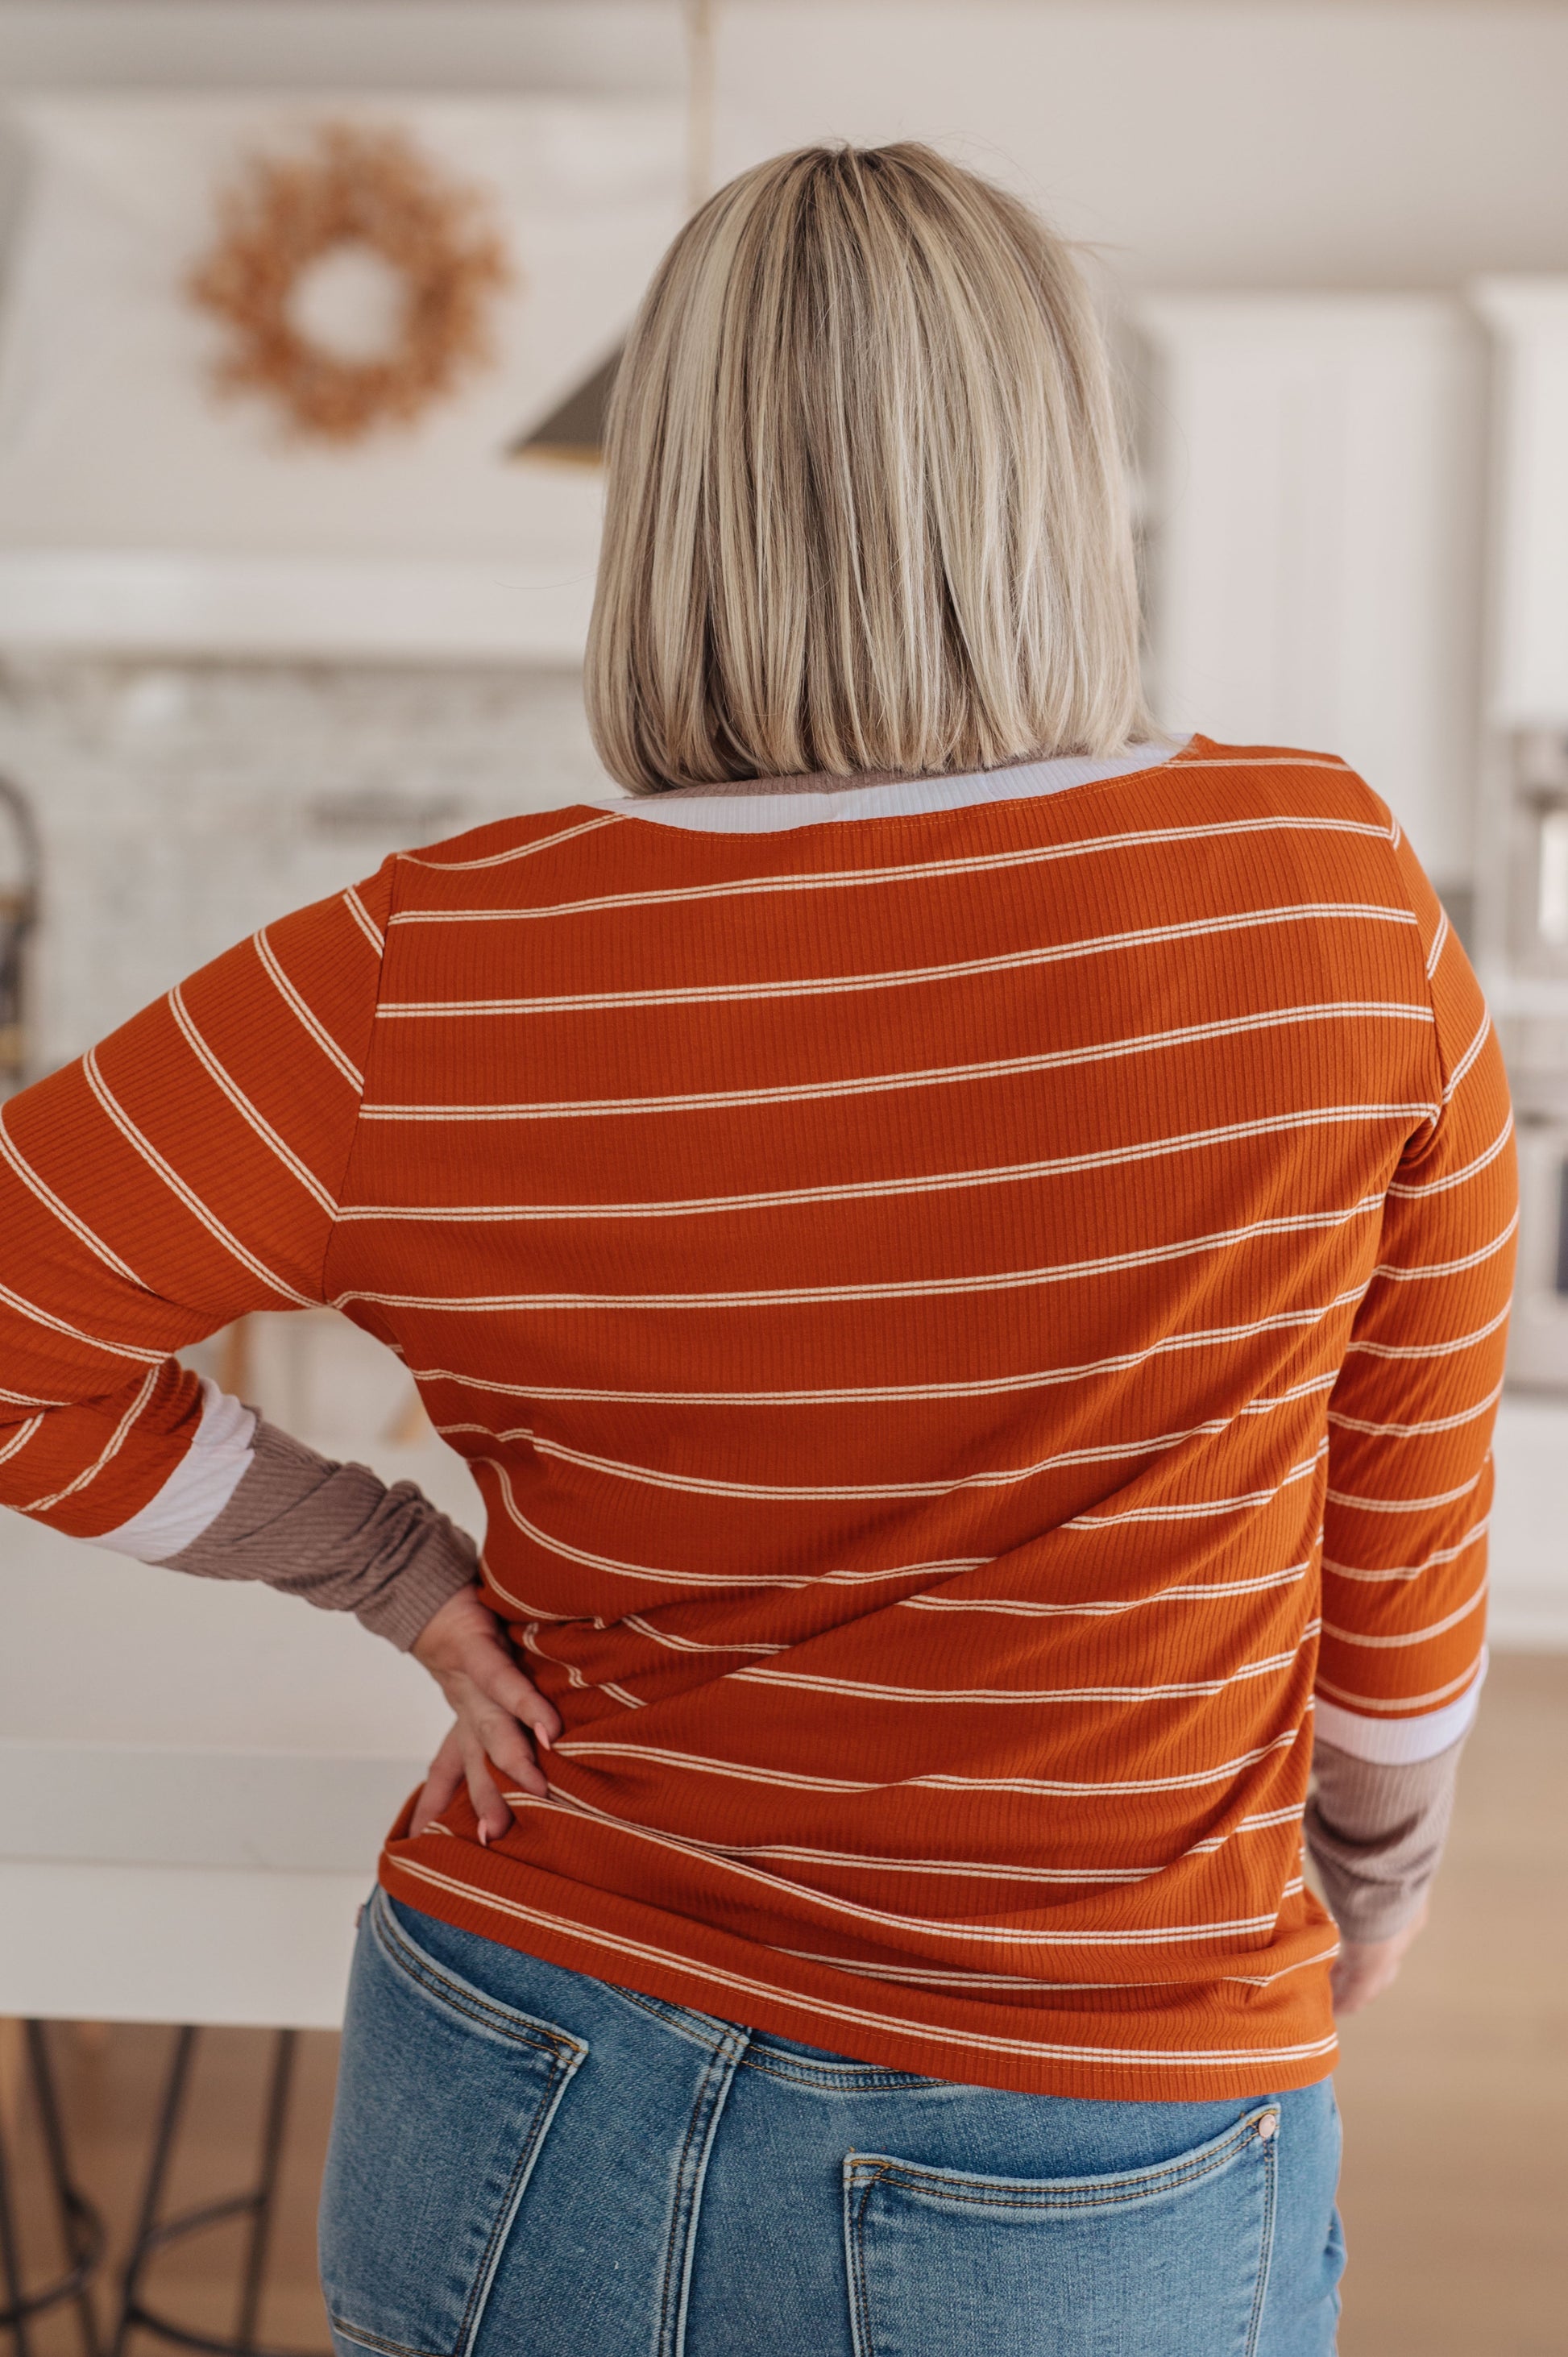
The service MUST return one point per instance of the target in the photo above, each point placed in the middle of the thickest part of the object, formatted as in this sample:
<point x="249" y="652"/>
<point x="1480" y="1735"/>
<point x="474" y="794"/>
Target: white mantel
<point x="180" y="606"/>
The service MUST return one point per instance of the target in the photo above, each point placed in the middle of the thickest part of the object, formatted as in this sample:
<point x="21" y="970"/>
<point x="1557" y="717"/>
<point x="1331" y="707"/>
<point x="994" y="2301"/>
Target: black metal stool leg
<point x="152" y="2191"/>
<point x="80" y="2227"/>
<point x="16" y="2312"/>
<point x="153" y="2234"/>
<point x="266" y="2186"/>
<point x="80" y="2222"/>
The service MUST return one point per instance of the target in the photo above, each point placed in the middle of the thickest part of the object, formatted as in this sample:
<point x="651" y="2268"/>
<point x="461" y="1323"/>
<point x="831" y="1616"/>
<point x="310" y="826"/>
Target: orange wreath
<point x="362" y="187"/>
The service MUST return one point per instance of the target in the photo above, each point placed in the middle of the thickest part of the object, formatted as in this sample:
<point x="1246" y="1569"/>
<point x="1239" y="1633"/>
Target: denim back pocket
<point x="1168" y="2261"/>
<point x="444" y="2098"/>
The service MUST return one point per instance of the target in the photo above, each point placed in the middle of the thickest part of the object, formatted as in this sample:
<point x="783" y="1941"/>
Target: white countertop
<point x="195" y="1777"/>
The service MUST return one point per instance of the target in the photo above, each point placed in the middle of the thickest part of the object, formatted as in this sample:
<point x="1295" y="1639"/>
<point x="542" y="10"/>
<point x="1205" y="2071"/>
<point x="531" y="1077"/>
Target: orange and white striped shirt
<point x="973" y="1305"/>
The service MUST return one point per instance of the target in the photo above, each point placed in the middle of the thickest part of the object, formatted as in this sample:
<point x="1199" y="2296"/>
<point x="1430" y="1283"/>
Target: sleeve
<point x="1376" y="1831"/>
<point x="1410" y="1469"/>
<point x="182" y="1173"/>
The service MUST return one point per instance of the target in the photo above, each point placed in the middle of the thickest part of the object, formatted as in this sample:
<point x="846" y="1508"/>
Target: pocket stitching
<point x="543" y="2111"/>
<point x="861" y="2320"/>
<point x="1166" y="2176"/>
<point x="562" y="2054"/>
<point x="518" y="2028"/>
<point x="1266" y="2257"/>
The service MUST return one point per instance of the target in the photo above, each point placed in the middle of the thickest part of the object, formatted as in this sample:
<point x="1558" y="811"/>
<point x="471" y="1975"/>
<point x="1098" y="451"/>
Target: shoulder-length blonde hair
<point x="866" y="502"/>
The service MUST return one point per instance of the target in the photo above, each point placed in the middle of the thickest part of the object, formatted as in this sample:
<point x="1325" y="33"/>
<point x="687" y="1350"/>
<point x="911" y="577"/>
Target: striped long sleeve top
<point x="975" y="1308"/>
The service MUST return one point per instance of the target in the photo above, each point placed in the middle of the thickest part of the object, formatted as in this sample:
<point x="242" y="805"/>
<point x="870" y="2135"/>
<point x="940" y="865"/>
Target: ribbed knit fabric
<point x="938" y="1309"/>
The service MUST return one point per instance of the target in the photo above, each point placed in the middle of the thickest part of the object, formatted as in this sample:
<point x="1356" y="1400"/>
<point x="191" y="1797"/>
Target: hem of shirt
<point x="1288" y="2042"/>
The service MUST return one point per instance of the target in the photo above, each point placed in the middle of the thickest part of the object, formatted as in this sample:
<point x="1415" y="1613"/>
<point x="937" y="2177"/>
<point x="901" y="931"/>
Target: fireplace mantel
<point x="295" y="608"/>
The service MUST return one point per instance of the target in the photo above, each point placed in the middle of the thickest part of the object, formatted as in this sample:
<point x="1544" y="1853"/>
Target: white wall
<point x="1201" y="143"/>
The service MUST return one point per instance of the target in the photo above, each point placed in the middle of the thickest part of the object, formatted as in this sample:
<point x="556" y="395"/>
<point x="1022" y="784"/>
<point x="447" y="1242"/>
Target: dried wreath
<point x="356" y="187"/>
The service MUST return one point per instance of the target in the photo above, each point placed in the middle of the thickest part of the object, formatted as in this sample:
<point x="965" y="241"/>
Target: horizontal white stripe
<point x="800" y="1681"/>
<point x="38" y="1315"/>
<point x="1489" y="1155"/>
<point x="1395" y="1274"/>
<point x="1393" y="1743"/>
<point x="688" y="1644"/>
<point x="1005" y="1280"/>
<point x="220" y="1455"/>
<point x="829" y="985"/>
<point x="1431" y="1349"/>
<point x="713" y="1485"/>
<point x="1472" y="1537"/>
<point x="801" y="1895"/>
<point x="665" y="1576"/>
<point x="917" y="871"/>
<point x="1027" y="1609"/>
<point x="937" y="1182"/>
<point x="576" y="1747"/>
<point x="1415" y="1431"/>
<point x="1389" y="1705"/>
<point x="937" y="1076"/>
<point x="857" y="1861"/>
<point x="1411" y="1636"/>
<point x="1203" y="1507"/>
<point x="817" y="2008"/>
<point x="1405" y="1505"/>
<point x="933" y="1977"/>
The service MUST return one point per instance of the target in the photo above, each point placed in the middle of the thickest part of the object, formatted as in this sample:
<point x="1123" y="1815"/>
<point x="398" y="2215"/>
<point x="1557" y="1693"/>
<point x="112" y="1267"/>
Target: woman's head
<point x="865" y="504"/>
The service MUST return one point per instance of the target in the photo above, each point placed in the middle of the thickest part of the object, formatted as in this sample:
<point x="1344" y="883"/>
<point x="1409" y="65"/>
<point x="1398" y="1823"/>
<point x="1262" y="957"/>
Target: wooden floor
<point x="1455" y="2092"/>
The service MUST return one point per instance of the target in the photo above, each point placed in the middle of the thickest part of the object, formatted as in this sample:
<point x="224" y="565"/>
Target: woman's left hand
<point x="465" y="1650"/>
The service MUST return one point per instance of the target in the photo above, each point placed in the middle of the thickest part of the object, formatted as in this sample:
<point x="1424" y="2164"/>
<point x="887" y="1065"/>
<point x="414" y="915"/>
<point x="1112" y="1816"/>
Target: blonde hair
<point x="866" y="501"/>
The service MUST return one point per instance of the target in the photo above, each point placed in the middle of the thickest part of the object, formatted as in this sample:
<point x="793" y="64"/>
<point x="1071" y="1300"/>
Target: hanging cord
<point x="701" y="15"/>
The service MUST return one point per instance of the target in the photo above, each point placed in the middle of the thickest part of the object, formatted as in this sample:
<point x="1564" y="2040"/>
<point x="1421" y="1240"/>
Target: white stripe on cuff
<point x="1397" y="1742"/>
<point x="197" y="1490"/>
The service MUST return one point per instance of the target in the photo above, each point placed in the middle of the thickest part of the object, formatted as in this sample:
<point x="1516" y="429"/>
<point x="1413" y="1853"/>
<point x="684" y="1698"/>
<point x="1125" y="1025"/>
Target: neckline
<point x="769" y="806"/>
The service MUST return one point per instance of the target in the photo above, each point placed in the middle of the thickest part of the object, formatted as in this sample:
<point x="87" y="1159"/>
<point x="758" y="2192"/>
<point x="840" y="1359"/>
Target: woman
<point x="952" y="1236"/>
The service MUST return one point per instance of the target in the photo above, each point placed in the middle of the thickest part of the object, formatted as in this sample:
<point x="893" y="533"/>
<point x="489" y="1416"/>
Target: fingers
<point x="464" y="1647"/>
<point x="495" y="1704"/>
<point x="492" y="1810"/>
<point x="442" y="1784"/>
<point x="504" y="1743"/>
<point x="498" y="1676"/>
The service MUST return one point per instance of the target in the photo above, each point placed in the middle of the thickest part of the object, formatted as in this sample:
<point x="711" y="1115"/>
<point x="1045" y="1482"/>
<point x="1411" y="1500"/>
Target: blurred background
<point x="307" y="311"/>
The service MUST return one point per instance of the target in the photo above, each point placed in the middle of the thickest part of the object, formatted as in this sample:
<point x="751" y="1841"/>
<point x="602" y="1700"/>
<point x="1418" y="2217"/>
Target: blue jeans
<point x="528" y="2163"/>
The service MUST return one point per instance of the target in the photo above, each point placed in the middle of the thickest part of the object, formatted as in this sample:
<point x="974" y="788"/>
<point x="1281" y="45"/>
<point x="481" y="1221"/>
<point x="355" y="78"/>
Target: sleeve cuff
<point x="1376" y="1831"/>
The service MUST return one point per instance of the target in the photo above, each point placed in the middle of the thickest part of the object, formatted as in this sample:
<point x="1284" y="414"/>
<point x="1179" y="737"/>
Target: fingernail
<point x="484" y="1837"/>
<point x="544" y="1739"/>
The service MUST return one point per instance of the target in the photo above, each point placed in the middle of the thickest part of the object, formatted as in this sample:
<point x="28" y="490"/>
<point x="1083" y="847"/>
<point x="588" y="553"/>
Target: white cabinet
<point x="1313" y="494"/>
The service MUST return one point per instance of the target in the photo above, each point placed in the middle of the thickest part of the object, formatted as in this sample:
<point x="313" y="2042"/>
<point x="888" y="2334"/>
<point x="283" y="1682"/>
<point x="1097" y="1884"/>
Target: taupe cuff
<point x="337" y="1535"/>
<point x="1376" y="1834"/>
